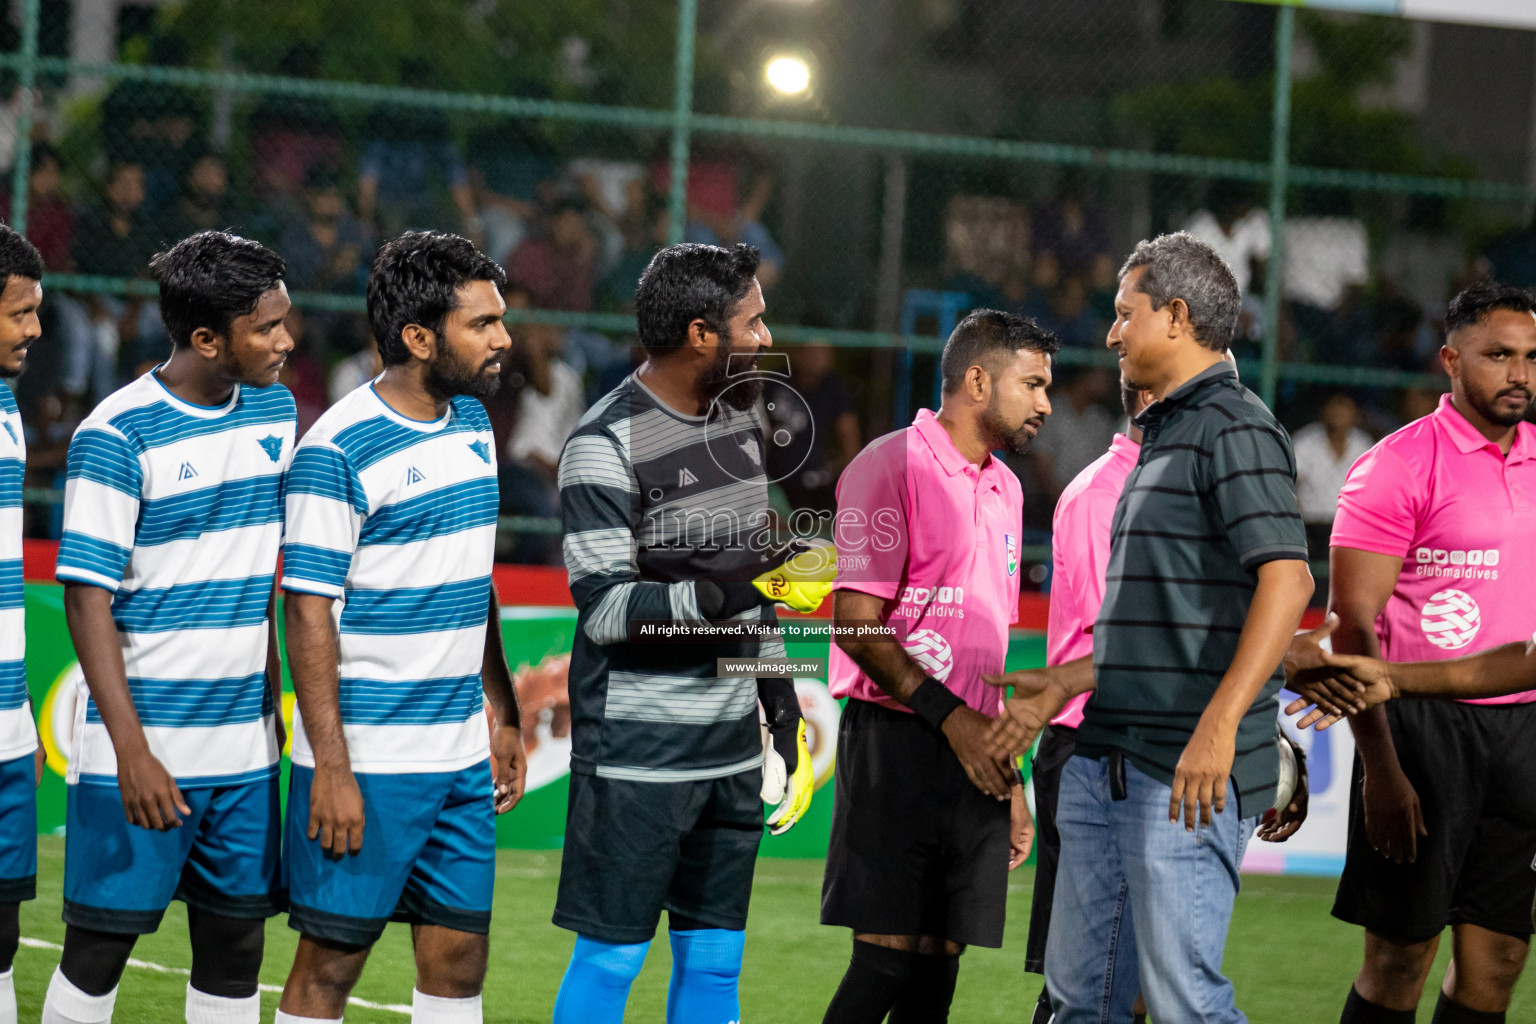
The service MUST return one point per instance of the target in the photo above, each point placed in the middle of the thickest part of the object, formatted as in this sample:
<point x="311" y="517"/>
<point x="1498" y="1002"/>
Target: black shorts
<point x="1474" y="768"/>
<point x="916" y="848"/>
<point x="633" y="849"/>
<point x="1056" y="747"/>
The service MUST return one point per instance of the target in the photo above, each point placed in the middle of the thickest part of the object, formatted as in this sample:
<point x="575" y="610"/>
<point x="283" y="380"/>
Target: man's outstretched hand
<point x="1037" y="698"/>
<point x="1349" y="684"/>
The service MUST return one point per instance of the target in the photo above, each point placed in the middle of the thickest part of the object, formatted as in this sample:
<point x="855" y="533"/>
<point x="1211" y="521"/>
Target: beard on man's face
<point x="733" y="389"/>
<point x="1005" y="437"/>
<point x="449" y="375"/>
<point x="1505" y="417"/>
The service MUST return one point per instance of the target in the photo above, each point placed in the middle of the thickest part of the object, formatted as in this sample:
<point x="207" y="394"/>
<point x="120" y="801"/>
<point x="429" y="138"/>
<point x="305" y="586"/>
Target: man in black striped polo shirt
<point x="665" y="509"/>
<point x="1206" y="582"/>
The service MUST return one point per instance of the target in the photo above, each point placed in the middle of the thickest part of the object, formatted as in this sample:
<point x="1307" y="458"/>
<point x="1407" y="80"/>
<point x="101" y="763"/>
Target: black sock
<point x="1043" y="1009"/>
<point x="1359" y="1010"/>
<point x="876" y="976"/>
<point x="1449" y="1012"/>
<point x="929" y="991"/>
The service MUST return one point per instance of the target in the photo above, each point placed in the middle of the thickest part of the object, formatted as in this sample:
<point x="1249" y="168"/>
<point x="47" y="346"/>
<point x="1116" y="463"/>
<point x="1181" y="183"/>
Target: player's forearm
<point x="889" y="666"/>
<point x="1509" y="668"/>
<point x="1278" y="602"/>
<point x="88" y="612"/>
<point x="1072" y="677"/>
<point x="495" y="676"/>
<point x="1356" y="634"/>
<point x="274" y="655"/>
<point x="313" y="660"/>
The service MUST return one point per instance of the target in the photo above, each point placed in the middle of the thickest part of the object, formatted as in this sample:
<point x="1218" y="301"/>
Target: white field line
<point x="365" y="1004"/>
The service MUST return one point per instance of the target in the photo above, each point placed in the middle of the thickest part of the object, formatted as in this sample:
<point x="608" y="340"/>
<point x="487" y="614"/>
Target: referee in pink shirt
<point x="1433" y="557"/>
<point x="927" y="823"/>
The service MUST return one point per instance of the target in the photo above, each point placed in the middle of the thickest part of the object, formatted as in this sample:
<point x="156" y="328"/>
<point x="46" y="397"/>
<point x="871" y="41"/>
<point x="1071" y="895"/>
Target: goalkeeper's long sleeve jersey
<point x="653" y="501"/>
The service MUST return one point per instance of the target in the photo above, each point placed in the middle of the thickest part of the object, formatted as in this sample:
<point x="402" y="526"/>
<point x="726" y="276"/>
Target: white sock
<point x="68" y="1005"/>
<point x="203" y="1008"/>
<point x="288" y="1018"/>
<point x="427" y="1009"/>
<point x="8" y="997"/>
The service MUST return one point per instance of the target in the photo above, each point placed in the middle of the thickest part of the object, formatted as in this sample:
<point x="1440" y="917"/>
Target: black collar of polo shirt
<point x="1213" y="374"/>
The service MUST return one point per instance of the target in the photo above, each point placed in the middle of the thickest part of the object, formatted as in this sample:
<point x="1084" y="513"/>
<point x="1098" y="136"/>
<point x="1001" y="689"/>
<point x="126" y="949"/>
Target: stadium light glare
<point x="787" y="75"/>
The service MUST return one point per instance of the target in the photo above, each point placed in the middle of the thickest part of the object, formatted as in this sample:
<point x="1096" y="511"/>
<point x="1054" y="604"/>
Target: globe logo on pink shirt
<point x="931" y="653"/>
<point x="1450" y="619"/>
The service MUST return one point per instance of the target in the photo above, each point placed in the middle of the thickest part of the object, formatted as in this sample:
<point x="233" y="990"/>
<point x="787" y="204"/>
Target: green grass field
<point x="1291" y="962"/>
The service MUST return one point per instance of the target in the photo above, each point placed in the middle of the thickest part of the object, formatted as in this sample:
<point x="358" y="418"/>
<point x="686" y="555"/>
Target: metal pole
<point x="892" y="225"/>
<point x="26" y="76"/>
<point x="682" y="113"/>
<point x="1279" y="166"/>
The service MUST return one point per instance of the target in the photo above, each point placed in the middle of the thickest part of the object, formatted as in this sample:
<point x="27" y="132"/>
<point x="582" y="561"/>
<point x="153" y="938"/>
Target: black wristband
<point x="722" y="600"/>
<point x="933" y="702"/>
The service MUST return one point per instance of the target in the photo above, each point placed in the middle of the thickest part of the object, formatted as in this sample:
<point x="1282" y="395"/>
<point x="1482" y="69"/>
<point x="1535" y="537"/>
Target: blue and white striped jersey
<point x="177" y="509"/>
<point x="396" y="518"/>
<point x="18" y="736"/>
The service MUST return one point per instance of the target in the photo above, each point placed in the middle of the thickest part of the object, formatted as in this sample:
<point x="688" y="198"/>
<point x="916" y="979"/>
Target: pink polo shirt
<point x="938" y="539"/>
<point x="1080" y="532"/>
<point x="1462" y="517"/>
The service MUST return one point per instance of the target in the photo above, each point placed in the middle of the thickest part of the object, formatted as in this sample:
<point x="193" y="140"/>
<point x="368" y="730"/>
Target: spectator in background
<point x="356" y="370"/>
<point x="615" y="191"/>
<point x="557" y="266"/>
<point x="717" y="213"/>
<point x="616" y="291"/>
<point x="813" y="431"/>
<point x="1067" y="313"/>
<point x="1235" y="227"/>
<point x="1074" y="234"/>
<point x="204" y="203"/>
<point x="113" y="238"/>
<point x="329" y="250"/>
<point x="156" y="126"/>
<point x="511" y="173"/>
<point x="1078" y="430"/>
<point x="290" y="137"/>
<point x="303" y="374"/>
<point x="411" y="175"/>
<point x="1325" y="450"/>
<point x="1511" y="258"/>
<point x="550" y="403"/>
<point x="50" y="221"/>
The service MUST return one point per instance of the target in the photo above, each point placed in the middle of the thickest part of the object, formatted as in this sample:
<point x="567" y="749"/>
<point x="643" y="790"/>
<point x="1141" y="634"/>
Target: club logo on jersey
<point x="272" y="445"/>
<point x="186" y="472"/>
<point x="1470" y="564"/>
<point x="483" y="450"/>
<point x="931" y="652"/>
<point x="1450" y="619"/>
<point x="413" y="476"/>
<point x="754" y="453"/>
<point x="1012" y="544"/>
<point x="685" y="477"/>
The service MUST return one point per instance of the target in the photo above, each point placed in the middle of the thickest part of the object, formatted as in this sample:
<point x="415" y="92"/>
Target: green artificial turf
<point x="1290" y="961"/>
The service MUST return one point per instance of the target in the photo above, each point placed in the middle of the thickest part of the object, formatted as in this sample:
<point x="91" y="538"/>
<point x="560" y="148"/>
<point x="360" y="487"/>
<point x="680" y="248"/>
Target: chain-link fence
<point x="897" y="161"/>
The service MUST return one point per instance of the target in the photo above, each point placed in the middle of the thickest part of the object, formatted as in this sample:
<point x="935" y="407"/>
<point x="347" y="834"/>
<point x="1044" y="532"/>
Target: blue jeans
<point x="1141" y="905"/>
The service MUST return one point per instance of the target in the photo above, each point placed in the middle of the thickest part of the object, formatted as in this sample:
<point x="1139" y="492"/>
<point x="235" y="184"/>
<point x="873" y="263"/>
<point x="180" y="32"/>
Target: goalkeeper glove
<point x="788" y="777"/>
<point x="804" y="578"/>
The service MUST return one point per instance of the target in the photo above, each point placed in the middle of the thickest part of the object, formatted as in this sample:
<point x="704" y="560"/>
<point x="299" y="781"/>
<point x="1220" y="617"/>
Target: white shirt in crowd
<point x="545" y="421"/>
<point x="1320" y="472"/>
<point x="1248" y="241"/>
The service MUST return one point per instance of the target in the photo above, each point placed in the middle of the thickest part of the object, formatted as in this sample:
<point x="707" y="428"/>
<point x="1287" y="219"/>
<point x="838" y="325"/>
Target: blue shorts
<point x="18" y="830"/>
<point x="428" y="857"/>
<point x="223" y="859"/>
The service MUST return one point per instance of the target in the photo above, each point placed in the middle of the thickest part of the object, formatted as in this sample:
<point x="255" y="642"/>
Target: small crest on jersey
<point x="1012" y="544"/>
<point x="186" y="472"/>
<point x="413" y="476"/>
<point x="685" y="477"/>
<point x="10" y="430"/>
<point x="753" y="452"/>
<point x="272" y="445"/>
<point x="481" y="449"/>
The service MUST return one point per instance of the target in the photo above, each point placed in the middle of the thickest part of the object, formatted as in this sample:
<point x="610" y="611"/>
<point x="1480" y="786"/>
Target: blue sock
<point x="705" y="967"/>
<point x="596" y="984"/>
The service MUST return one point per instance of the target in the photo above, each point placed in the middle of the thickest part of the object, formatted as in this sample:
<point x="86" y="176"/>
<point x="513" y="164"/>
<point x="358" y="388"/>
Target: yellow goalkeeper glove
<point x="789" y="778"/>
<point x="803" y="580"/>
